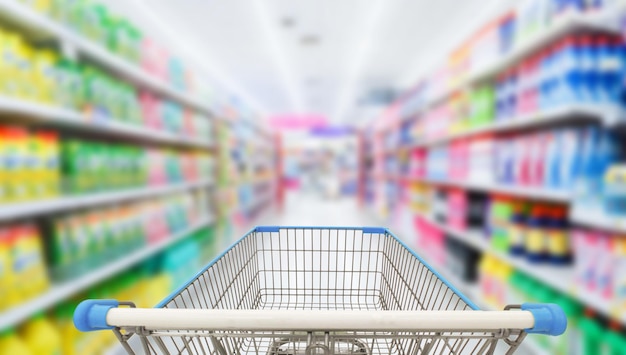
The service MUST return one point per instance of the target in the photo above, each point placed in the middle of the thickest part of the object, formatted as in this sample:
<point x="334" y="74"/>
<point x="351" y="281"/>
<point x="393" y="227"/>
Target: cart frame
<point x="311" y="290"/>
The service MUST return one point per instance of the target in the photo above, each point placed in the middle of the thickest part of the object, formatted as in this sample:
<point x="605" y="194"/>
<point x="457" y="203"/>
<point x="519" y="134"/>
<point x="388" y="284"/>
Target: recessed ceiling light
<point x="309" y="40"/>
<point x="312" y="81"/>
<point x="288" y="22"/>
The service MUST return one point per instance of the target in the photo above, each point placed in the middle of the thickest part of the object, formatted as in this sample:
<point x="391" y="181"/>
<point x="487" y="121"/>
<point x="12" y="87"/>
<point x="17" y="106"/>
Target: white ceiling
<point x="363" y="45"/>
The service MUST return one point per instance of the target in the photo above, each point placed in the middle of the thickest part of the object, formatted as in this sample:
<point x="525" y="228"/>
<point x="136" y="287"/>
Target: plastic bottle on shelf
<point x="70" y="336"/>
<point x="501" y="210"/>
<point x="558" y="239"/>
<point x="8" y="294"/>
<point x="619" y="272"/>
<point x="569" y="343"/>
<point x="518" y="228"/>
<point x="535" y="239"/>
<point x="592" y="332"/>
<point x="41" y="336"/>
<point x="11" y="344"/>
<point x="614" y="339"/>
<point x="28" y="261"/>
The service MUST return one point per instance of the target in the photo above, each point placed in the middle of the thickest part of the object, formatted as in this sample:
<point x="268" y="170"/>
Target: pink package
<point x="459" y="160"/>
<point x="156" y="167"/>
<point x="523" y="160"/>
<point x="155" y="224"/>
<point x="418" y="163"/>
<point x="457" y="209"/>
<point x="606" y="265"/>
<point x="149" y="109"/>
<point x="586" y="253"/>
<point x="538" y="150"/>
<point x="154" y="58"/>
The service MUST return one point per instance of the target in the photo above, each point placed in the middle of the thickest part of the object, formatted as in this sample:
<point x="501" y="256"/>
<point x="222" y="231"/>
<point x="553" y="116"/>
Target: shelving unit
<point x="530" y="193"/>
<point x="569" y="114"/>
<point x="410" y="154"/>
<point x="560" y="278"/>
<point x="470" y="290"/>
<point x="62" y="291"/>
<point x="45" y="27"/>
<point x="605" y="21"/>
<point x="596" y="219"/>
<point x="28" y="209"/>
<point x="72" y="120"/>
<point x="78" y="48"/>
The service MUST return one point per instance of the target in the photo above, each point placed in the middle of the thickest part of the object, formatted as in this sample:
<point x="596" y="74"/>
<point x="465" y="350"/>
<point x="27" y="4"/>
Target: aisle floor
<point x="308" y="209"/>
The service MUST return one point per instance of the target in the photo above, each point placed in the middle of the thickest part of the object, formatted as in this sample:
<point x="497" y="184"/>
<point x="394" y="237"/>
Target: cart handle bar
<point x="104" y="314"/>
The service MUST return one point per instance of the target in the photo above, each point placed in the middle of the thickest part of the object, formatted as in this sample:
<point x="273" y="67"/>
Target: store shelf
<point x="473" y="293"/>
<point x="529" y="193"/>
<point x="259" y="200"/>
<point x="62" y="291"/>
<point x="46" y="27"/>
<point x="607" y="115"/>
<point x="559" y="278"/>
<point x="27" y="209"/>
<point x="597" y="219"/>
<point x="64" y="118"/>
<point x="264" y="180"/>
<point x="605" y="21"/>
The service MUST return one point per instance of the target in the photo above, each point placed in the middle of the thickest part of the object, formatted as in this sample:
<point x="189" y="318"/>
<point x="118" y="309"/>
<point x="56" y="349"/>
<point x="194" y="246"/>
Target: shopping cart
<point x="317" y="290"/>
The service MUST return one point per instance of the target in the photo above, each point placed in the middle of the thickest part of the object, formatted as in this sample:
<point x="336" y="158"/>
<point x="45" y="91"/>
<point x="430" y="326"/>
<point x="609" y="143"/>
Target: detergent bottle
<point x="11" y="344"/>
<point x="8" y="295"/>
<point x="41" y="337"/>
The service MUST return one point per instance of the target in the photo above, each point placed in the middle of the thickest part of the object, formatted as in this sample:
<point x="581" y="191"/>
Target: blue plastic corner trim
<point x="549" y="318"/>
<point x="374" y="230"/>
<point x="267" y="229"/>
<point x="91" y="315"/>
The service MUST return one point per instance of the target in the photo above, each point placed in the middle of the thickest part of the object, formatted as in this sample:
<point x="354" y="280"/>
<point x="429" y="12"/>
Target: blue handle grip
<point x="91" y="315"/>
<point x="549" y="318"/>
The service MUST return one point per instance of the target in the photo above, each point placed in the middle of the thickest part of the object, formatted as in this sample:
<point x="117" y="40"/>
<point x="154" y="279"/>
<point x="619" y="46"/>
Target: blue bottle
<point x="588" y="56"/>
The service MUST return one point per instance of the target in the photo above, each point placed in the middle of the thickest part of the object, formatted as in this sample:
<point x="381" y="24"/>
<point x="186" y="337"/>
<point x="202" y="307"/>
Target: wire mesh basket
<point x="318" y="290"/>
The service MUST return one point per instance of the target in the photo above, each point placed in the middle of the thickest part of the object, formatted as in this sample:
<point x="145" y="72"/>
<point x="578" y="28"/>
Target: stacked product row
<point x="500" y="285"/>
<point x="64" y="247"/>
<point x="42" y="75"/>
<point x="146" y="285"/>
<point x="553" y="159"/>
<point x="586" y="331"/>
<point x="576" y="70"/>
<point x="502" y="36"/>
<point x="537" y="233"/>
<point x="95" y="21"/>
<point x="40" y="164"/>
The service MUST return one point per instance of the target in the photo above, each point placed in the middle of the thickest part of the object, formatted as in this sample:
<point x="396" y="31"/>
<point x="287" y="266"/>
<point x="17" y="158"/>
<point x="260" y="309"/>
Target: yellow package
<point x="8" y="294"/>
<point x="44" y="75"/>
<point x="11" y="344"/>
<point x="15" y="153"/>
<point x="25" y="55"/>
<point x="41" y="336"/>
<point x="28" y="261"/>
<point x="51" y="173"/>
<point x="34" y="169"/>
<point x="10" y="55"/>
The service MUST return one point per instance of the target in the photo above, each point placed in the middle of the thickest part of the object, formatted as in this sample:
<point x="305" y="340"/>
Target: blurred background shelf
<point x="534" y="193"/>
<point x="108" y="127"/>
<point x="561" y="278"/>
<point x="45" y="27"/>
<point x="20" y="210"/>
<point x="64" y="290"/>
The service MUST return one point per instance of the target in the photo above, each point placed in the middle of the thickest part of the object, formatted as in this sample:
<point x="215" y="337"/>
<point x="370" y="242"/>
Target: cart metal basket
<point x="318" y="290"/>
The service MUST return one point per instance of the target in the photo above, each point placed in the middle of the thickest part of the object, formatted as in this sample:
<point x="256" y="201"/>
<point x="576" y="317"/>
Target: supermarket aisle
<point x="304" y="209"/>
